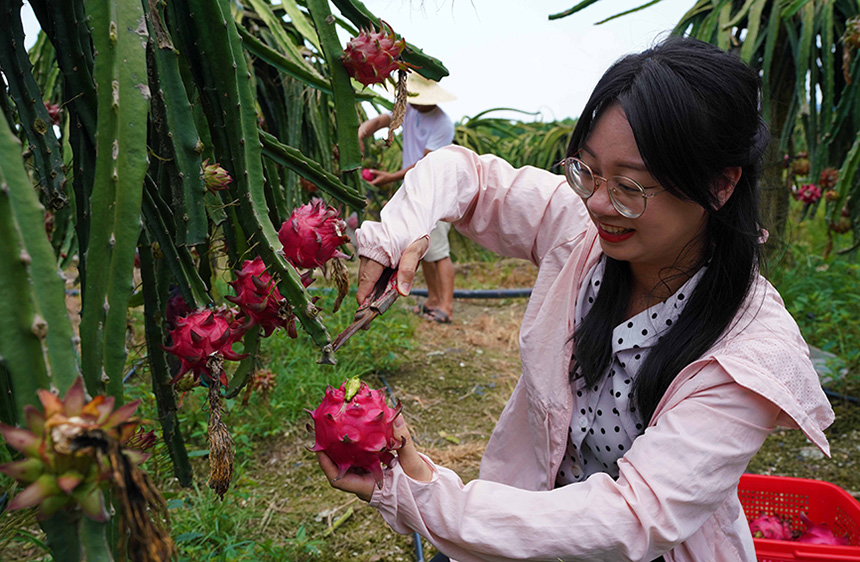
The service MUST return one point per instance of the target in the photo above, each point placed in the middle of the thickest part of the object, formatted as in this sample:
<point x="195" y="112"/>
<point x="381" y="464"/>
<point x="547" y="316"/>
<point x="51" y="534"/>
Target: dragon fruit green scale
<point x="354" y="426"/>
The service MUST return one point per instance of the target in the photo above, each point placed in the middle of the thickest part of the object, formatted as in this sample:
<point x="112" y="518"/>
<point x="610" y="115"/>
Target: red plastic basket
<point x="822" y="502"/>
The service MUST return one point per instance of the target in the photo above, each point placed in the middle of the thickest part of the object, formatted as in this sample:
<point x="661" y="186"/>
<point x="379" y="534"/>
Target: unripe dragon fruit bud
<point x="201" y="340"/>
<point x="800" y="167"/>
<point x="819" y="534"/>
<point x="366" y="174"/>
<point x="355" y="427"/>
<point x="312" y="234"/>
<point x="371" y="57"/>
<point x="770" y="527"/>
<point x="215" y="177"/>
<point x="259" y="299"/>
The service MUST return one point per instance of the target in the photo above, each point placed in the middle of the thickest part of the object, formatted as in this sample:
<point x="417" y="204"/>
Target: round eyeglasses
<point x="626" y="194"/>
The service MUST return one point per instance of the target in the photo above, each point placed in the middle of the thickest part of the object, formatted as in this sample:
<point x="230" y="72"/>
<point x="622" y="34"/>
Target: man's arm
<point x="381" y="177"/>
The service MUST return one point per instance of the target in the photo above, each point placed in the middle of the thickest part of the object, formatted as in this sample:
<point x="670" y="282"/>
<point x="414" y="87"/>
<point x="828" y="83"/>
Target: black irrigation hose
<point x="480" y="293"/>
<point x="832" y="394"/>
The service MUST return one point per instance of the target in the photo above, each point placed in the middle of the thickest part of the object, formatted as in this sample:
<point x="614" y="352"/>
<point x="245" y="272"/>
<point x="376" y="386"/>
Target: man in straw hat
<point x="425" y="128"/>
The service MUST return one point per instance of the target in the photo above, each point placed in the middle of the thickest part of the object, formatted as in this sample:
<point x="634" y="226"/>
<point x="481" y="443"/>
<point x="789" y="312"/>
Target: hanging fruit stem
<point x="220" y="441"/>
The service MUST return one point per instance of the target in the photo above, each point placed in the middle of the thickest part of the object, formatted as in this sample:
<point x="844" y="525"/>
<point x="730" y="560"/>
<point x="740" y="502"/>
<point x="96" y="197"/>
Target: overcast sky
<point x="506" y="53"/>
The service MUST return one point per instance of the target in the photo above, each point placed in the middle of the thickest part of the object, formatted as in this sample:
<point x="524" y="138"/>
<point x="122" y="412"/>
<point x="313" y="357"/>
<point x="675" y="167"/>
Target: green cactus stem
<point x="153" y="308"/>
<point x="34" y="118"/>
<point x="294" y="160"/>
<point x="119" y="36"/>
<point x="344" y="95"/>
<point x="38" y="347"/>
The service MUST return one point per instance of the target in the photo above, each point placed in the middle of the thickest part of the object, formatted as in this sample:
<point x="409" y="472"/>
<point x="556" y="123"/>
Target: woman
<point x="656" y="359"/>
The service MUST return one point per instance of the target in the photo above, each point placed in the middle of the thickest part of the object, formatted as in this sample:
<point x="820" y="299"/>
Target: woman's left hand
<point x="362" y="484"/>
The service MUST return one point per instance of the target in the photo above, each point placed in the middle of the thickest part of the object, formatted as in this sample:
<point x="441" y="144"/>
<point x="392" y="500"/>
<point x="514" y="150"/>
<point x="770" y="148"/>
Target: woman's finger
<point x="359" y="484"/>
<point x="412" y="463"/>
<point x="409" y="264"/>
<point x="368" y="273"/>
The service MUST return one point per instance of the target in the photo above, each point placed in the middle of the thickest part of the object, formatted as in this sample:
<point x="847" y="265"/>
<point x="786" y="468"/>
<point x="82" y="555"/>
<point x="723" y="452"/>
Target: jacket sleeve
<point x="671" y="481"/>
<point x="521" y="213"/>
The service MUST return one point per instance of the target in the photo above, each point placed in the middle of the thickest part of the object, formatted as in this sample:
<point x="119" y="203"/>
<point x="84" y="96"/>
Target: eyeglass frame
<point x="564" y="163"/>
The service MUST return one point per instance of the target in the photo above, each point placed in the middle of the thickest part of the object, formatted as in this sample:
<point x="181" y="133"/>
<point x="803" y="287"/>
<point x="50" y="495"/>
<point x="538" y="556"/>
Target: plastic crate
<point x="822" y="502"/>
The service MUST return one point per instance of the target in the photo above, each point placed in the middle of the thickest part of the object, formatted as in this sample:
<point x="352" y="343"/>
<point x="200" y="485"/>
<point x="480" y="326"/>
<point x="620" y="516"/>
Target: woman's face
<point x="658" y="237"/>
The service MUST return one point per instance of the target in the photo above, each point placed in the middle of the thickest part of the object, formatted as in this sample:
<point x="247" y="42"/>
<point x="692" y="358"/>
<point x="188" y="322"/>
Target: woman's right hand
<point x="370" y="270"/>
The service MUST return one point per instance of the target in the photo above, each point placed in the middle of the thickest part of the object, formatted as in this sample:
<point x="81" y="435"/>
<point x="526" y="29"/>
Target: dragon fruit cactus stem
<point x="312" y="234"/>
<point x="355" y="427"/>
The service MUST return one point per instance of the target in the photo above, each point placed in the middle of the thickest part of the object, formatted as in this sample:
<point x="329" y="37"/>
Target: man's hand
<point x="381" y="177"/>
<point x="369" y="270"/>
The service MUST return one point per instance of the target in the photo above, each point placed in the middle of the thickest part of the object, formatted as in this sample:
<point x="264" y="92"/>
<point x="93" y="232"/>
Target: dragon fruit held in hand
<point x="770" y="527"/>
<point x="260" y="300"/>
<point x="819" y="534"/>
<point x="312" y="234"/>
<point x="355" y="428"/>
<point x="371" y="57"/>
<point x="201" y="340"/>
<point x="366" y="174"/>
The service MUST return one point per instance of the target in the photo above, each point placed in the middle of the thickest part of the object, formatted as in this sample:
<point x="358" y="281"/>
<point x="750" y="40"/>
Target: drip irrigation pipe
<point x="481" y="293"/>
<point x="419" y="548"/>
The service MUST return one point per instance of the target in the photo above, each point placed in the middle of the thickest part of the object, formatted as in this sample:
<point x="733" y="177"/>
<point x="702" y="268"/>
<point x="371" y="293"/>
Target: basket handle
<point x="822" y="557"/>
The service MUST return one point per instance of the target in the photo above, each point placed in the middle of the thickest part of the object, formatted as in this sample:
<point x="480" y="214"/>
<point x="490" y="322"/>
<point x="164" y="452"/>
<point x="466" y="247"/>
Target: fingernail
<point x="403" y="289"/>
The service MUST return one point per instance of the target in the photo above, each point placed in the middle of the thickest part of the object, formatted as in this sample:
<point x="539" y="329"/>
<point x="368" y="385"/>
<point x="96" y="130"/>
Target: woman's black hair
<point x="694" y="111"/>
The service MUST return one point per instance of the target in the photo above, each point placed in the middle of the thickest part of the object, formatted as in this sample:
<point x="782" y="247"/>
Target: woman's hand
<point x="362" y="484"/>
<point x="369" y="270"/>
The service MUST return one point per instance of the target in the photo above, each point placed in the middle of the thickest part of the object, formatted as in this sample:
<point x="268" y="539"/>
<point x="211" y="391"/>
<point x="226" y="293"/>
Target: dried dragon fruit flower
<point x="215" y="177"/>
<point x="312" y="235"/>
<point x="371" y="57"/>
<point x="202" y="340"/>
<point x="355" y="427"/>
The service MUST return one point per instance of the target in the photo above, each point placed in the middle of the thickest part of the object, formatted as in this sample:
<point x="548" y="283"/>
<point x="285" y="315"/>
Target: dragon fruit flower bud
<point x="215" y="177"/>
<point x="312" y="235"/>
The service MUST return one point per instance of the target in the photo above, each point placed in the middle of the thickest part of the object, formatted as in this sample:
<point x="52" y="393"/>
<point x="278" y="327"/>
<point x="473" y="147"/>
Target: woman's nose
<point x="599" y="202"/>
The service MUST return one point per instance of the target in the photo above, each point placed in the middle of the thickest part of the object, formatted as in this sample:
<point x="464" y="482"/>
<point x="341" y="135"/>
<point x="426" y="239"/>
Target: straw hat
<point x="423" y="91"/>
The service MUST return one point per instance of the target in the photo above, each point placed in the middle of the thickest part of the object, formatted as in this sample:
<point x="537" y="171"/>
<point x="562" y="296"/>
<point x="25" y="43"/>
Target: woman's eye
<point x="627" y="185"/>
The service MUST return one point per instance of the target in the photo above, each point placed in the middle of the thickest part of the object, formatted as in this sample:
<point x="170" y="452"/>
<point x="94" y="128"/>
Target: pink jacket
<point x="677" y="490"/>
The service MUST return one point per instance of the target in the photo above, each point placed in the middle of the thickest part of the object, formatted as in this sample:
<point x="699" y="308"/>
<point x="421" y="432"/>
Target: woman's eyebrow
<point x="628" y="164"/>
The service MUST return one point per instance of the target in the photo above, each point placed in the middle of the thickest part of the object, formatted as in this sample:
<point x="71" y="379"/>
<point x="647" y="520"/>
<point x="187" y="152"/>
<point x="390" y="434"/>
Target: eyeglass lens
<point x="624" y="193"/>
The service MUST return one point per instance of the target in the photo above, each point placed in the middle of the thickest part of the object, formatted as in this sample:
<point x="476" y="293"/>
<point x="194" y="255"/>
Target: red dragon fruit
<point x="371" y="57"/>
<point x="54" y="112"/>
<point x="819" y="534"/>
<point x="260" y="300"/>
<point x="366" y="174"/>
<point x="808" y="193"/>
<point x="202" y="340"/>
<point x="312" y="234"/>
<point x="355" y="428"/>
<point x="770" y="527"/>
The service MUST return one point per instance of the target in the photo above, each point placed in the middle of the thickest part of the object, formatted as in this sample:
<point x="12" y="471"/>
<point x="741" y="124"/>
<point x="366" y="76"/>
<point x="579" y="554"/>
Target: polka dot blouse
<point x="605" y="421"/>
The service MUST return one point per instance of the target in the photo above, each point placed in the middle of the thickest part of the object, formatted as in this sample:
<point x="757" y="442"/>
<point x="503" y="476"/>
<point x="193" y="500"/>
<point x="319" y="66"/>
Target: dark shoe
<point x="420" y="310"/>
<point x="436" y="315"/>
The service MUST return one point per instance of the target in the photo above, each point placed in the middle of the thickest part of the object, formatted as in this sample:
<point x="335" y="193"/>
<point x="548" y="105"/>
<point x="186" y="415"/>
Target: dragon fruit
<point x="371" y="57"/>
<point x="202" y="340"/>
<point x="312" y="234"/>
<point x="366" y="174"/>
<point x="770" y="527"/>
<point x="819" y="533"/>
<point x="215" y="177"/>
<point x="260" y="300"/>
<point x="828" y="178"/>
<point x="54" y="112"/>
<point x="355" y="428"/>
<point x="808" y="193"/>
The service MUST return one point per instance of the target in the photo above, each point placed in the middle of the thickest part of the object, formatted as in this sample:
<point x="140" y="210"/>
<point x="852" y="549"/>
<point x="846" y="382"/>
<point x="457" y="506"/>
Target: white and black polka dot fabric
<point x="605" y="421"/>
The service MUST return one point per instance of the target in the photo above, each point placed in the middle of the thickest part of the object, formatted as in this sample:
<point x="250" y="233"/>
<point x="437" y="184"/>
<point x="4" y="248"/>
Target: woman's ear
<point x="725" y="185"/>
